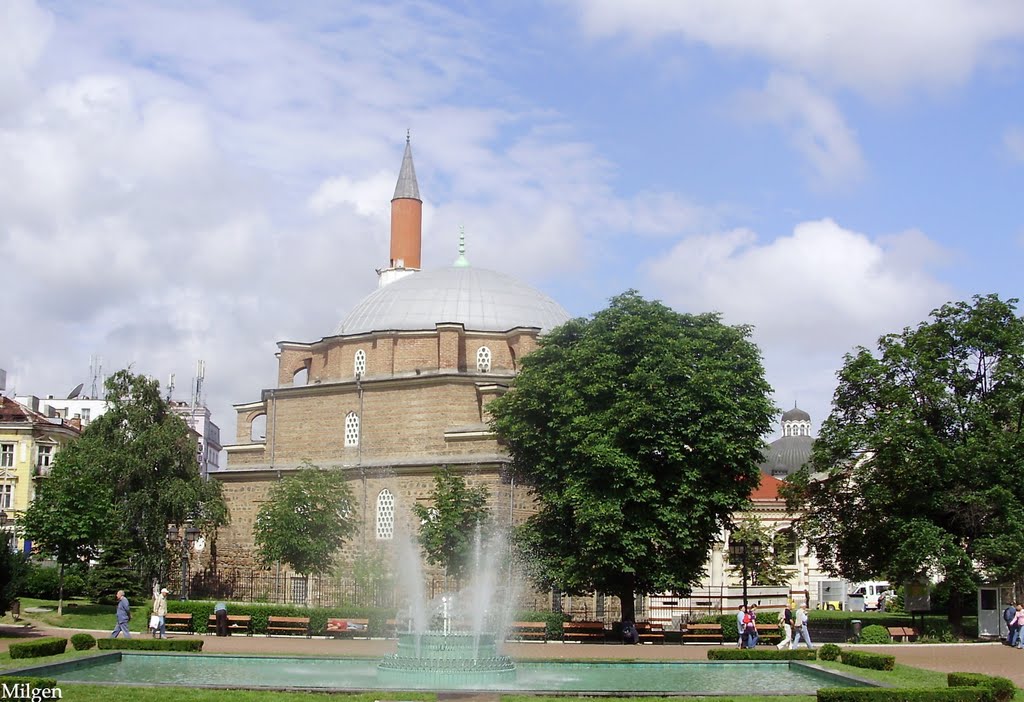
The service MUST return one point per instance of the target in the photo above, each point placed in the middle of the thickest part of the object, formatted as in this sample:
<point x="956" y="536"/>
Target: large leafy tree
<point x="13" y="570"/>
<point x="766" y="552"/>
<point x="132" y="473"/>
<point x="639" y="431"/>
<point x="918" y="468"/>
<point x="450" y="523"/>
<point x="307" y="517"/>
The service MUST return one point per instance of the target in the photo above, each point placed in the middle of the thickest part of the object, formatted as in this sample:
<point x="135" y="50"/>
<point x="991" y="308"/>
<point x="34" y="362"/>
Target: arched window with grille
<point x="483" y="360"/>
<point x="385" y="515"/>
<point x="360" y="364"/>
<point x="351" y="429"/>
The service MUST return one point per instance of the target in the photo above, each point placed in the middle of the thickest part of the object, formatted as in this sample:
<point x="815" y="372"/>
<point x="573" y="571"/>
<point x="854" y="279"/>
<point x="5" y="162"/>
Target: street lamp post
<point x="186" y="538"/>
<point x="742" y="550"/>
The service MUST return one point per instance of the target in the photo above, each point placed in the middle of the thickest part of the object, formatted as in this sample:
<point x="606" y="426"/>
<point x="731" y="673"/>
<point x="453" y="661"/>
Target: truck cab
<point x="871" y="591"/>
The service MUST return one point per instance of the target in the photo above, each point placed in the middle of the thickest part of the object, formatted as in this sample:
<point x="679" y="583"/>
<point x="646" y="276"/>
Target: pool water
<point x="357" y="674"/>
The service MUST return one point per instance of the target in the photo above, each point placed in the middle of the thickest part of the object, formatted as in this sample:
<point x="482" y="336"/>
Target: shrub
<point x="864" y="659"/>
<point x="874" y="634"/>
<point x="83" y="642"/>
<point x="1002" y="689"/>
<point x="829" y="652"/>
<point x="890" y="694"/>
<point x="756" y="654"/>
<point x="46" y="646"/>
<point x="33" y="684"/>
<point x="318" y="616"/>
<point x="553" y="620"/>
<point x="188" y="645"/>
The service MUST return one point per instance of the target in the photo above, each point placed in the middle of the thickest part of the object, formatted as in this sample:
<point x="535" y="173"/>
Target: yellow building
<point x="29" y="441"/>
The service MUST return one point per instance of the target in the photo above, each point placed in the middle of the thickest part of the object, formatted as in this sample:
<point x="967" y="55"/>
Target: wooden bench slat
<point x="179" y="621"/>
<point x="583" y="631"/>
<point x="236" y="622"/>
<point x="288" y="625"/>
<point x="529" y="631"/>
<point x="338" y="626"/>
<point x="701" y="631"/>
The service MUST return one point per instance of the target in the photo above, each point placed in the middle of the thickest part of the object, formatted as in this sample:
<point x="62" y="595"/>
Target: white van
<point x="871" y="591"/>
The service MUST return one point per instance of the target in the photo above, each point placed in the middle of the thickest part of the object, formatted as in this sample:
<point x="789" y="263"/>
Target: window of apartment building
<point x="6" y="455"/>
<point x="483" y="359"/>
<point x="351" y="429"/>
<point x="86" y="415"/>
<point x="360" y="363"/>
<point x="44" y="454"/>
<point x="385" y="515"/>
<point x="6" y="496"/>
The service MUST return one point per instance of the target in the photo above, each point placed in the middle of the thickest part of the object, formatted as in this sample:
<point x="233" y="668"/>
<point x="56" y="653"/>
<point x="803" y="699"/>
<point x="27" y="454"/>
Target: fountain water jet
<point x="451" y="648"/>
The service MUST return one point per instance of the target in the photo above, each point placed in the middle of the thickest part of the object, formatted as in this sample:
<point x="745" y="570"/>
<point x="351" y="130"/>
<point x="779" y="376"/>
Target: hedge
<point x="554" y="621"/>
<point x="46" y="646"/>
<point x="16" y="685"/>
<point x="865" y="659"/>
<point x="893" y="694"/>
<point x="83" y="642"/>
<point x="829" y="652"/>
<point x="318" y="616"/>
<point x="756" y="654"/>
<point x="874" y="634"/>
<point x="1002" y="689"/>
<point x="188" y="645"/>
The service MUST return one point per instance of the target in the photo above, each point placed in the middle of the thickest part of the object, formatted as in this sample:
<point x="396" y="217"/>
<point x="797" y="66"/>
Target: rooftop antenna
<point x="76" y="392"/>
<point x="170" y="388"/>
<point x="197" y="390"/>
<point x="96" y="372"/>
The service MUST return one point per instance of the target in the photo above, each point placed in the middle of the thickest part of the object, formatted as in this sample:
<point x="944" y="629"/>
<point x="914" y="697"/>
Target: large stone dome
<point x="479" y="299"/>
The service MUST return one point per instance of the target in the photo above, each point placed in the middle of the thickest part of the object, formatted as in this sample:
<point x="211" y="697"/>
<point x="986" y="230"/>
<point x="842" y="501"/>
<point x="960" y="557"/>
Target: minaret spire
<point x="406" y="222"/>
<point x="461" y="261"/>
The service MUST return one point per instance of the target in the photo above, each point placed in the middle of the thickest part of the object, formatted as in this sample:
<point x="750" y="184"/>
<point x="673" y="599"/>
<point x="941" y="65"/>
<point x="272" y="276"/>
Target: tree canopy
<point x="639" y="431"/>
<point x="307" y="517"/>
<point x="133" y="471"/>
<point x="918" y="465"/>
<point x="449" y="525"/>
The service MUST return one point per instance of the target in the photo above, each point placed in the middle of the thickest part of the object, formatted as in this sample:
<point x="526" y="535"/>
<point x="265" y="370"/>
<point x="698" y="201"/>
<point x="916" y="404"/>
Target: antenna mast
<point x="96" y="373"/>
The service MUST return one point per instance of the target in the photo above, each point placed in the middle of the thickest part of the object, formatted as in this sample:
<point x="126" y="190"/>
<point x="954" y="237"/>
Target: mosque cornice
<point x="413" y="465"/>
<point x="371" y="336"/>
<point x="383" y="382"/>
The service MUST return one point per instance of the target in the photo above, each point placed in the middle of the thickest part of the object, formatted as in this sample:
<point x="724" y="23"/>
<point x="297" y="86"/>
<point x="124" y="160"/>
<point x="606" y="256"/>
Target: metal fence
<point x="288" y="588"/>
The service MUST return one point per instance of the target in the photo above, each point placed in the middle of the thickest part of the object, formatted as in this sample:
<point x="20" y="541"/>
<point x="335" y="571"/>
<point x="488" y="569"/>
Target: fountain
<point x="441" y="649"/>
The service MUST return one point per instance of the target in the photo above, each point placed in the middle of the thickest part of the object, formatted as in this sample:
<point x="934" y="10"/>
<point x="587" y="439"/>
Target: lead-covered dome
<point x="479" y="299"/>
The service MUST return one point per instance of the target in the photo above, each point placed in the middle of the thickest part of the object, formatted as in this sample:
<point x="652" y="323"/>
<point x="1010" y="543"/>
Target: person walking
<point x="160" y="611"/>
<point x="752" y="636"/>
<point x="741" y="624"/>
<point x="124" y="615"/>
<point x="787" y="626"/>
<point x="1018" y="623"/>
<point x="800" y="629"/>
<point x="1010" y="617"/>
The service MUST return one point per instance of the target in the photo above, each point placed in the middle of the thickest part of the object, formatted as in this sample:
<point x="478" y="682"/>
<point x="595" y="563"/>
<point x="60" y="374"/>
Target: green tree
<point x="69" y="516"/>
<point x="449" y="525"/>
<point x="132" y="473"/>
<point x="639" y="431"/>
<point x="13" y="569"/>
<point x="764" y="563"/>
<point x="307" y="517"/>
<point x="917" y="467"/>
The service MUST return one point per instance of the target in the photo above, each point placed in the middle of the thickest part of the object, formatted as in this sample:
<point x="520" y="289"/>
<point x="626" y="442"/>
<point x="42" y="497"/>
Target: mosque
<point x="401" y="388"/>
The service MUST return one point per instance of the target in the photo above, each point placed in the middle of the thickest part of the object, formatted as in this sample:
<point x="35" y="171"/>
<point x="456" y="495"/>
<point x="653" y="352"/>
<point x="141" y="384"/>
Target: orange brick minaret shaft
<point x="406" y="216"/>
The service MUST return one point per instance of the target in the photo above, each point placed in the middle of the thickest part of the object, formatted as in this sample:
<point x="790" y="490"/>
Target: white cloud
<point x="812" y="296"/>
<point x="815" y="126"/>
<point x="1013" y="142"/>
<point x="873" y="46"/>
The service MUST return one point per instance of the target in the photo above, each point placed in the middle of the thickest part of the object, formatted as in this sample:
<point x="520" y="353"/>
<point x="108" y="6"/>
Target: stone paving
<point x="988" y="658"/>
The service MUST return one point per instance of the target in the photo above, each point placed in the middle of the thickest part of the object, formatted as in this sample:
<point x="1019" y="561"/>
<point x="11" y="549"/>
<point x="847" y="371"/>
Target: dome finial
<point x="461" y="260"/>
<point x="407" y="135"/>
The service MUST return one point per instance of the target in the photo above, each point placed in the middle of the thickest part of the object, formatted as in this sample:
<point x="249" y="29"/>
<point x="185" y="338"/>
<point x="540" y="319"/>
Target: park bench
<point x="528" y="631"/>
<point x="179" y="621"/>
<point x="583" y="631"/>
<point x="651" y="632"/>
<point x="903" y="633"/>
<point x="356" y="628"/>
<point x="706" y="633"/>
<point x="241" y="623"/>
<point x="288" y="625"/>
<point x="769" y="633"/>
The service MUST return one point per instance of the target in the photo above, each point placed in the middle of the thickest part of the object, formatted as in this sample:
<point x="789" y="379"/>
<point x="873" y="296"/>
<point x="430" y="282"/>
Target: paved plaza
<point x="988" y="658"/>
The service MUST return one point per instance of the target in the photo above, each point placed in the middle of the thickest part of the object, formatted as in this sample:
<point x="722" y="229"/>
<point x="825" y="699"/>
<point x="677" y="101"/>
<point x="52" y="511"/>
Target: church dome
<point x="795" y="415"/>
<point x="479" y="299"/>
<point x="787" y="455"/>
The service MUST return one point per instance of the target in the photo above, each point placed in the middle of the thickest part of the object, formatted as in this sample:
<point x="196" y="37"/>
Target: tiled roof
<point x="768" y="489"/>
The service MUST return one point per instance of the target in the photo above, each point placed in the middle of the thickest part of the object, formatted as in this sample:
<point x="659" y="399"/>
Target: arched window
<point x="483" y="360"/>
<point x="385" y="515"/>
<point x="258" y="428"/>
<point x="351" y="429"/>
<point x="785" y="547"/>
<point x="360" y="364"/>
<point x="301" y="376"/>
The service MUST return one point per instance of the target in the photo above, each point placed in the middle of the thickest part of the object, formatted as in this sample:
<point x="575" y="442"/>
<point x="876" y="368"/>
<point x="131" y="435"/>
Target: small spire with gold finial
<point x="461" y="261"/>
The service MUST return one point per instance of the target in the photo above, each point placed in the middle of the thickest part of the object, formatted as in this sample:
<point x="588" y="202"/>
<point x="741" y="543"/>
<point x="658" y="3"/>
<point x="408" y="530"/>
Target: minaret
<point x="406" y="223"/>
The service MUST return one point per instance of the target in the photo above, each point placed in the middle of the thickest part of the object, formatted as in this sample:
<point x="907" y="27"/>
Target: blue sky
<point x="201" y="180"/>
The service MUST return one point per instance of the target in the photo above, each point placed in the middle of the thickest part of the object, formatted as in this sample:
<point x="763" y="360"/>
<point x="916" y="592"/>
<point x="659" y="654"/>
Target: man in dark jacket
<point x="124" y="615"/>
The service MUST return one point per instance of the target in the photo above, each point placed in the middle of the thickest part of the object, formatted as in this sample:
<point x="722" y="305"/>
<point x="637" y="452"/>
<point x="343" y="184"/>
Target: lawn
<point x="80" y="614"/>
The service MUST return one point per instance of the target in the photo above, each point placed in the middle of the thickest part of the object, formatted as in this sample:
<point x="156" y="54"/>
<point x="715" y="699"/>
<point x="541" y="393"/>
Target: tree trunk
<point x="956" y="613"/>
<point x="626" y="600"/>
<point x="60" y="589"/>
